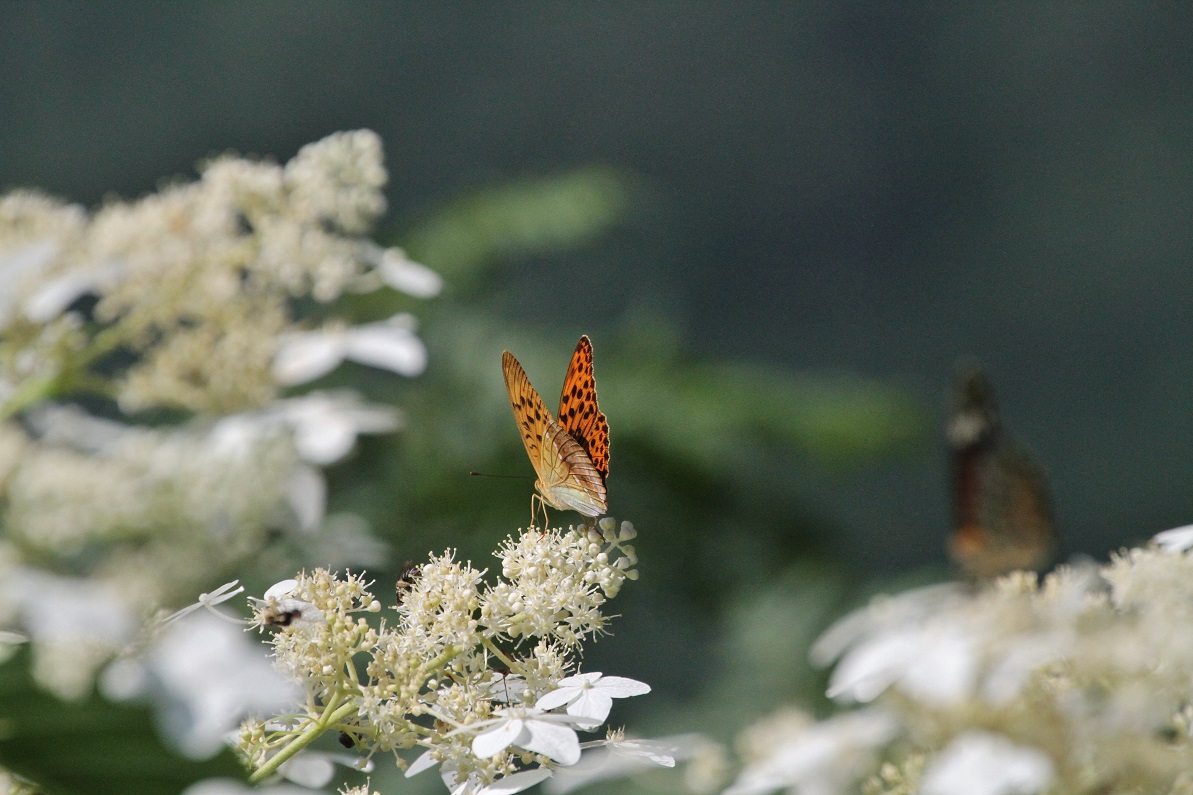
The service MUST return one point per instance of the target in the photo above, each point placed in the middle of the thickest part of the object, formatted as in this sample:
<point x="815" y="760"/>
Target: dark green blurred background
<point x="781" y="223"/>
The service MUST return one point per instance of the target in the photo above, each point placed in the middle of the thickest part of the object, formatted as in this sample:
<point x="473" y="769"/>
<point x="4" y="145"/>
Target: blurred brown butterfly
<point x="1002" y="508"/>
<point x="570" y="454"/>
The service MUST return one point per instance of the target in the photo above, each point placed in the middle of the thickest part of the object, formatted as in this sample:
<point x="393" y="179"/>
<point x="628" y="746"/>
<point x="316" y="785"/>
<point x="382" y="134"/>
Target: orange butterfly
<point x="1003" y="513"/>
<point x="570" y="455"/>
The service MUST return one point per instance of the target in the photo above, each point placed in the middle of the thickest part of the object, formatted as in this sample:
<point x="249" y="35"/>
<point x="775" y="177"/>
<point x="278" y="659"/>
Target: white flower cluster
<point x="1075" y="685"/>
<point x="196" y="282"/>
<point x="480" y="676"/>
<point x="188" y="302"/>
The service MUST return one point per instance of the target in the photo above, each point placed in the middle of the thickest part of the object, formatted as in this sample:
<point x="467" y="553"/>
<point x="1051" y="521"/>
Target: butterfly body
<point x="570" y="454"/>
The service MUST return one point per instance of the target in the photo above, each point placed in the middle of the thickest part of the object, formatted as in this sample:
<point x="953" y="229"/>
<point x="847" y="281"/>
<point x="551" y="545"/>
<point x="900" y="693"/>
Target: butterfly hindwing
<point x="579" y="414"/>
<point x="567" y="475"/>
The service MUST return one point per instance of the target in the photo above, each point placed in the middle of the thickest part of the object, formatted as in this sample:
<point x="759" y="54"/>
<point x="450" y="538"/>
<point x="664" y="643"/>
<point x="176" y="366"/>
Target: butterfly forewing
<point x="578" y="411"/>
<point x="529" y="411"/>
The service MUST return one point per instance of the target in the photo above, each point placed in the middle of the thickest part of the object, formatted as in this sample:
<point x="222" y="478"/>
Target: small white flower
<point x="209" y="601"/>
<point x="590" y="696"/>
<point x="980" y="763"/>
<point x="390" y="344"/>
<point x="612" y="759"/>
<point x="530" y="729"/>
<point x="1178" y="539"/>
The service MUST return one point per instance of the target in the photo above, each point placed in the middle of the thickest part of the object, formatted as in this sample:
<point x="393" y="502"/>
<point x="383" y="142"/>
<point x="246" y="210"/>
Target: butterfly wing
<point x="1003" y="514"/>
<point x="568" y="479"/>
<point x="529" y="411"/>
<point x="579" y="415"/>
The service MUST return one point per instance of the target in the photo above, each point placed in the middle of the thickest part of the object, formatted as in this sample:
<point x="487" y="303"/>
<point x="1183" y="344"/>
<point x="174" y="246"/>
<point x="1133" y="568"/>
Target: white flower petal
<point x="591" y="708"/>
<point x="309" y="770"/>
<point x="388" y="346"/>
<point x="621" y="687"/>
<point x="557" y="698"/>
<point x="325" y="439"/>
<point x="580" y="680"/>
<point x="281" y="588"/>
<point x="517" y="782"/>
<point x="980" y="763"/>
<point x="53" y="297"/>
<point x="305" y="357"/>
<point x="408" y="276"/>
<point x="424" y="762"/>
<point x="1178" y="539"/>
<point x="553" y="740"/>
<point x="496" y="739"/>
<point x="307" y="496"/>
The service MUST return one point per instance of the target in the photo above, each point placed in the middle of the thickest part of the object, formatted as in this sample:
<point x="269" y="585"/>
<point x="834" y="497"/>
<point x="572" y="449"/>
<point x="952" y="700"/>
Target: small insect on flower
<point x="570" y="454"/>
<point x="409" y="575"/>
<point x="278" y="611"/>
<point x="1003" y="515"/>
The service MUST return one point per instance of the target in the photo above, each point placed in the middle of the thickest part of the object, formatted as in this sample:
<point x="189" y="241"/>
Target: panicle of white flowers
<point x="458" y="669"/>
<point x="197" y="280"/>
<point x="1076" y="684"/>
<point x="194" y="295"/>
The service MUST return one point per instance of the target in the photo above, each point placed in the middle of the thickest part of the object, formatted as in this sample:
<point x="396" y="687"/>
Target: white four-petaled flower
<point x="589" y="697"/>
<point x="531" y="729"/>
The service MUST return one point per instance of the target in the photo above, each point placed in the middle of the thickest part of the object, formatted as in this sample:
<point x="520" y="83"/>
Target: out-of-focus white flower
<point x="314" y="769"/>
<point x="622" y="758"/>
<point x="531" y="729"/>
<point x="1178" y="539"/>
<point x="806" y="757"/>
<point x="980" y="763"/>
<point x="508" y="688"/>
<point x="937" y="663"/>
<point x="590" y="696"/>
<point x="390" y="344"/>
<point x="910" y="640"/>
<point x="205" y="675"/>
<point x="326" y="424"/>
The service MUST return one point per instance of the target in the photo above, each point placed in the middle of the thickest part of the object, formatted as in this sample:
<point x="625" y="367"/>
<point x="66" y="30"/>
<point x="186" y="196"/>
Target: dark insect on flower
<point x="346" y="740"/>
<point x="410" y="573"/>
<point x="278" y="616"/>
<point x="1001" y="503"/>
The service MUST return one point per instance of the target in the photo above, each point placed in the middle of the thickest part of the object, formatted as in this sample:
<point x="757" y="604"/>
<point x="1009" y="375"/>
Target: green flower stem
<point x="308" y="736"/>
<point x="496" y="652"/>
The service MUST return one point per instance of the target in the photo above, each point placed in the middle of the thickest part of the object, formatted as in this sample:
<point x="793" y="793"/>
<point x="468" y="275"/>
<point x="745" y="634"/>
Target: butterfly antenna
<point x="487" y="475"/>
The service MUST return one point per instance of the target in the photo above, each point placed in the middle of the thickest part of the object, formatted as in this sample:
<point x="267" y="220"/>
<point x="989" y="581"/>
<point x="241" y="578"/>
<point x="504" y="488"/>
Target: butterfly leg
<point x="536" y="502"/>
